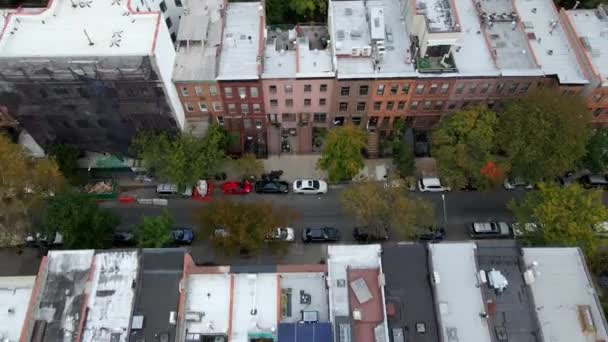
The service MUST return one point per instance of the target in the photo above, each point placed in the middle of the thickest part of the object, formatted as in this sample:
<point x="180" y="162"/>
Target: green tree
<point x="341" y="156"/>
<point x="154" y="232"/>
<point x="462" y="145"/>
<point x="544" y="133"/>
<point x="565" y="216"/>
<point x="244" y="226"/>
<point x="181" y="159"/>
<point x="80" y="220"/>
<point x="306" y="10"/>
<point x="386" y="208"/>
<point x="403" y="154"/>
<point x="249" y="166"/>
<point x="596" y="157"/>
<point x="66" y="157"/>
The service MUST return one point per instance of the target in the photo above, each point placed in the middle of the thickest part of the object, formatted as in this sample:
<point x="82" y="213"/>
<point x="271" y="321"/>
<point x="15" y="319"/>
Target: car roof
<point x="431" y="181"/>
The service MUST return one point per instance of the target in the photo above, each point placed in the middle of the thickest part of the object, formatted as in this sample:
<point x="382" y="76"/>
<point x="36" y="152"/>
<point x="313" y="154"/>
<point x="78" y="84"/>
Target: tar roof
<point x="563" y="294"/>
<point x="239" y="56"/>
<point x="15" y="295"/>
<point x="208" y="296"/>
<point x="459" y="299"/>
<point x="198" y="41"/>
<point x="111" y="297"/>
<point x="303" y="292"/>
<point x="409" y="291"/>
<point x="157" y="292"/>
<point x="592" y="29"/>
<point x="365" y="298"/>
<point x="80" y="28"/>
<point x="513" y="313"/>
<point x="255" y="305"/>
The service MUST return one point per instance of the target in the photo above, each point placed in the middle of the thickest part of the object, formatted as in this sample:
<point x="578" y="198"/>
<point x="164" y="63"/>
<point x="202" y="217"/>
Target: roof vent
<point x="348" y="11"/>
<point x="357" y="316"/>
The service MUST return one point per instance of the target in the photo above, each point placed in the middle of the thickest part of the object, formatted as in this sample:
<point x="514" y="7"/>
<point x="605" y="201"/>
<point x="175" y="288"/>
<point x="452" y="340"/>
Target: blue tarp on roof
<point x="305" y="332"/>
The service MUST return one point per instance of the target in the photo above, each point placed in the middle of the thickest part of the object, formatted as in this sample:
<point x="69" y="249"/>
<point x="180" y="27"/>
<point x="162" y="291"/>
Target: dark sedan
<point x="271" y="187"/>
<point x="431" y="234"/>
<point x="366" y="234"/>
<point x="182" y="236"/>
<point x="320" y="234"/>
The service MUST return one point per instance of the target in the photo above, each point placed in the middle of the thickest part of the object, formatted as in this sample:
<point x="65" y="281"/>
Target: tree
<point x="24" y="183"/>
<point x="154" y="232"/>
<point x="565" y="216"/>
<point x="596" y="157"/>
<point x="80" y="220"/>
<point x="244" y="226"/>
<point x="341" y="156"/>
<point x="181" y="159"/>
<point x="462" y="145"/>
<point x="403" y="155"/>
<point x="249" y="166"/>
<point x="306" y="10"/>
<point x="386" y="208"/>
<point x="66" y="157"/>
<point x="543" y="134"/>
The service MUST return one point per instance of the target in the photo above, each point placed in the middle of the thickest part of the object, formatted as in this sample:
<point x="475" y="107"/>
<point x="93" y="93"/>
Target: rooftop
<point x="459" y="299"/>
<point x="111" y="297"/>
<point x="439" y="15"/>
<point x="409" y="292"/>
<point x="255" y="306"/>
<point x="15" y="295"/>
<point x="303" y="292"/>
<point x="198" y="41"/>
<point x="592" y="29"/>
<point x="239" y="56"/>
<point x="208" y="298"/>
<point x="567" y="305"/>
<point x="80" y="28"/>
<point x="366" y="304"/>
<point x="280" y="54"/>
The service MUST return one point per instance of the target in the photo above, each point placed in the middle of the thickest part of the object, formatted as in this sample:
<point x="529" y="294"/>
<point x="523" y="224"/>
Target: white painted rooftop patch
<point x="208" y="297"/>
<point x="111" y="297"/>
<point x="314" y="63"/>
<point x="255" y="305"/>
<point x="593" y="33"/>
<point x="562" y="289"/>
<point x="91" y="28"/>
<point x="15" y="295"/>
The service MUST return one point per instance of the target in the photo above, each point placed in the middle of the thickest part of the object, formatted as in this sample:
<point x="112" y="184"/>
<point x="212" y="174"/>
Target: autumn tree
<point x="249" y="166"/>
<point x="341" y="156"/>
<point x="565" y="216"/>
<point x="463" y="144"/>
<point x="242" y="227"/>
<point x="154" y="232"/>
<point x="543" y="134"/>
<point x="384" y="209"/>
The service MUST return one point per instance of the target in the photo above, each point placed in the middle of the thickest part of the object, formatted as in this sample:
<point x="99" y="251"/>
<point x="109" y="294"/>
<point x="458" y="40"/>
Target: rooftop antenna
<point x="74" y="4"/>
<point x="576" y="5"/>
<point x="88" y="38"/>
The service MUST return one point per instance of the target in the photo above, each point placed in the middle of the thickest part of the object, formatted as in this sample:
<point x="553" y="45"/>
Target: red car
<point x="236" y="188"/>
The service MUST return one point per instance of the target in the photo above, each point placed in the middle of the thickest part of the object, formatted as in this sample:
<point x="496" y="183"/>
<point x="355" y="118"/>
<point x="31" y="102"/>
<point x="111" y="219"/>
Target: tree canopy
<point x="249" y="166"/>
<point x="596" y="157"/>
<point x="543" y="134"/>
<point x="154" y="232"/>
<point x="386" y="209"/>
<point x="66" y="157"/>
<point x="295" y="11"/>
<point x="80" y="220"/>
<point x="181" y="159"/>
<point x="341" y="156"/>
<point x="565" y="216"/>
<point x="463" y="144"/>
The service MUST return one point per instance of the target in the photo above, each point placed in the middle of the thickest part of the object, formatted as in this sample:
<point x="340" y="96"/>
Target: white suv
<point x="431" y="184"/>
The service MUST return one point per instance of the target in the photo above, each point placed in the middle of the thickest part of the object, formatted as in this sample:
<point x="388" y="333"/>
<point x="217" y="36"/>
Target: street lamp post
<point x="445" y="213"/>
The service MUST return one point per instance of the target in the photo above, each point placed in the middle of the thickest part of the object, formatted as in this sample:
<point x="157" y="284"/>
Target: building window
<point x="217" y="106"/>
<point x="380" y="90"/>
<point x="438" y="105"/>
<point x="524" y="88"/>
<point x="513" y="88"/>
<point x="288" y="88"/>
<point x="323" y="88"/>
<point x="185" y="91"/>
<point x="472" y="88"/>
<point x="244" y="108"/>
<point x="274" y="103"/>
<point x="288" y="117"/>
<point x="459" y="88"/>
<point x="444" y="88"/>
<point x="390" y="105"/>
<point x="228" y="92"/>
<point x="363" y="90"/>
<point x="426" y="105"/>
<point x="401" y="105"/>
<point x="499" y="88"/>
<point x="231" y="108"/>
<point x="253" y="91"/>
<point x="307" y="102"/>
<point x="289" y="102"/>
<point x="272" y="89"/>
<point x="198" y="90"/>
<point x="377" y="105"/>
<point x="242" y="92"/>
<point x="169" y="22"/>
<point x="189" y="107"/>
<point x="202" y="106"/>
<point x="434" y="87"/>
<point x="322" y="102"/>
<point x="319" y="117"/>
<point x="220" y="120"/>
<point x="420" y="89"/>
<point x="163" y="6"/>
<point x="257" y="108"/>
<point x="344" y="91"/>
<point x="307" y="88"/>
<point x="356" y="120"/>
<point x="343" y="106"/>
<point x="178" y="3"/>
<point x="394" y="89"/>
<point x="360" y="106"/>
<point x="485" y="87"/>
<point x="405" y="89"/>
<point x="414" y="105"/>
<point x="213" y="90"/>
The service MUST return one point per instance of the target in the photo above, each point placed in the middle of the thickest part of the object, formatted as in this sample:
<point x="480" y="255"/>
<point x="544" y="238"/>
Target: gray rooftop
<point x="592" y="29"/>
<point x="409" y="290"/>
<point x="296" y="288"/>
<point x="280" y="54"/>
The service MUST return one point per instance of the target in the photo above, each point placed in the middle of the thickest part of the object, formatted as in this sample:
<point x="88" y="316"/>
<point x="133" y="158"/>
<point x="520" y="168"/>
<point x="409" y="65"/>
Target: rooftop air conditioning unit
<point x="356" y="51"/>
<point x="357" y="316"/>
<point x="366" y="51"/>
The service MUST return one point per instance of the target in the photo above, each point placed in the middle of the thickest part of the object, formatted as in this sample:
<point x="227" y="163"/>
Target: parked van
<point x="167" y="190"/>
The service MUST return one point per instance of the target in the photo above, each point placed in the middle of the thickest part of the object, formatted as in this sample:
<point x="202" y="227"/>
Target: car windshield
<point x="299" y="184"/>
<point x="178" y="234"/>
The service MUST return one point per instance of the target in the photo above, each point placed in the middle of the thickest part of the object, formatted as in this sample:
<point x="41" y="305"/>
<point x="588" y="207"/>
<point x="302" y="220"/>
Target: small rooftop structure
<point x="111" y="297"/>
<point x="591" y="27"/>
<point x="207" y="311"/>
<point x="462" y="313"/>
<point x="567" y="304"/>
<point x="439" y="15"/>
<point x="15" y="293"/>
<point x="241" y="51"/>
<point x="255" y="307"/>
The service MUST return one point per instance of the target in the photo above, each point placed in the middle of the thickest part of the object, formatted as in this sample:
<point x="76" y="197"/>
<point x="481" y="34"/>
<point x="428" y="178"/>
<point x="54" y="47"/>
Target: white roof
<point x="239" y="54"/>
<point x="208" y="294"/>
<point x="551" y="46"/>
<point x="62" y="29"/>
<point x="459" y="299"/>
<point x="111" y="296"/>
<point x="593" y="31"/>
<point x="561" y="285"/>
<point x="278" y="64"/>
<point x="14" y="297"/>
<point x="314" y="63"/>
<point x="255" y="303"/>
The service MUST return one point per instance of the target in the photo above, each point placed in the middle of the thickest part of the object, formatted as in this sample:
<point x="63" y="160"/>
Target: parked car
<point x="601" y="229"/>
<point x="594" y="182"/>
<point x="123" y="238"/>
<point x="572" y="177"/>
<point x="431" y="184"/>
<point x="365" y="234"/>
<point x="517" y="183"/>
<point x="520" y="229"/>
<point x="39" y="239"/>
<point x="271" y="187"/>
<point x="320" y="234"/>
<point x="182" y="236"/>
<point x="431" y="234"/>
<point x="281" y="234"/>
<point x="309" y="186"/>
<point x="236" y="188"/>
<point x="170" y="190"/>
<point x="490" y="230"/>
